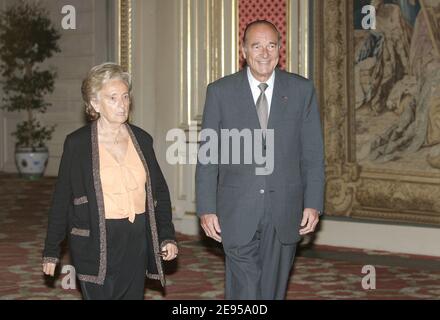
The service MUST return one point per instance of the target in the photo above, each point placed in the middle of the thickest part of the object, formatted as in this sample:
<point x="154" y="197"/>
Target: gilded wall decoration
<point x="379" y="93"/>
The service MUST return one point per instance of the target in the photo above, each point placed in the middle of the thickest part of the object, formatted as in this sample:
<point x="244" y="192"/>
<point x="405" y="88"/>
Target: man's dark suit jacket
<point x="233" y="191"/>
<point x="78" y="206"/>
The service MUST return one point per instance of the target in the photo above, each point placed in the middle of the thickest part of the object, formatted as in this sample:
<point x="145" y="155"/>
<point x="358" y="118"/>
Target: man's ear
<point x="243" y="52"/>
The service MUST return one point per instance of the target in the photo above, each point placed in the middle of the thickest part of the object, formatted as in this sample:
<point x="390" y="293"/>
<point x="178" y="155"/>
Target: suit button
<point x="262" y="191"/>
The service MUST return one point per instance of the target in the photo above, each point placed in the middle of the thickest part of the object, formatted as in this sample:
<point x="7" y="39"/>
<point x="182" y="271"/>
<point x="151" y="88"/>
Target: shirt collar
<point x="254" y="82"/>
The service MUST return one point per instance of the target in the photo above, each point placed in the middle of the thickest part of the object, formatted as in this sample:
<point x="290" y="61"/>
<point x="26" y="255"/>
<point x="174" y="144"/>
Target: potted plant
<point x="27" y="39"/>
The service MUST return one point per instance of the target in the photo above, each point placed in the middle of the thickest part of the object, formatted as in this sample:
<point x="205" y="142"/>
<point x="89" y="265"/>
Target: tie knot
<point x="263" y="86"/>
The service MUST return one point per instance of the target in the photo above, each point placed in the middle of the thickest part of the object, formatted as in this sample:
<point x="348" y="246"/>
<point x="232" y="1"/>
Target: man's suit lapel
<point x="279" y="100"/>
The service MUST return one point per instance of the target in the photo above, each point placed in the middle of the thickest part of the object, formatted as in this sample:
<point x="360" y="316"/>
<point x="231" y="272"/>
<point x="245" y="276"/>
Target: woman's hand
<point x="49" y="268"/>
<point x="169" y="251"/>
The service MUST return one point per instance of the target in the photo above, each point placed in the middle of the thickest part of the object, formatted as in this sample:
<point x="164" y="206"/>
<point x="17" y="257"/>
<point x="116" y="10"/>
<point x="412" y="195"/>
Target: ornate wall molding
<point x="298" y="37"/>
<point x="125" y="34"/>
<point x="353" y="190"/>
<point x="207" y="50"/>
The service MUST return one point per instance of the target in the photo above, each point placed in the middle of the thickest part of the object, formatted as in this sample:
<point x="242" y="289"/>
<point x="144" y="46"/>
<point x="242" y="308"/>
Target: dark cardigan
<point x="78" y="206"/>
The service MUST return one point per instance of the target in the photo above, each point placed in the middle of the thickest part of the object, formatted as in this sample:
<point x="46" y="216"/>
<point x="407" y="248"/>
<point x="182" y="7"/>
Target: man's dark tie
<point x="263" y="107"/>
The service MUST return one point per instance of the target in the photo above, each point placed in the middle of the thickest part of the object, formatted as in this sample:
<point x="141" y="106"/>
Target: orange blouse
<point x="123" y="184"/>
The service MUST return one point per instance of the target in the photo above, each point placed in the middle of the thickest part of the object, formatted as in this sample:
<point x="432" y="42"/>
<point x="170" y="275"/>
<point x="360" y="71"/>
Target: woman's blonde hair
<point x="95" y="80"/>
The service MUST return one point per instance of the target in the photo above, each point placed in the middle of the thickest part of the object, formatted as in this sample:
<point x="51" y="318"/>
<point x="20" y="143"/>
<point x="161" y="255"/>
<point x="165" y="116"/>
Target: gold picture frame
<point x="353" y="190"/>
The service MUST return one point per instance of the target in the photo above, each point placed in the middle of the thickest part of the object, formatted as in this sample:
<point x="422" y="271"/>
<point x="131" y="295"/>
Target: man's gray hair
<point x="258" y="22"/>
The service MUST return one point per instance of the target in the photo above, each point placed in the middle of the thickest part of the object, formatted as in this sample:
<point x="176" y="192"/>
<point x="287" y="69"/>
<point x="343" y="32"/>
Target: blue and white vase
<point x="31" y="163"/>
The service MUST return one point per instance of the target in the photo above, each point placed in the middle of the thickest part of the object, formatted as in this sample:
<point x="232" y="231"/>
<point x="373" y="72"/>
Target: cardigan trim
<point x="151" y="213"/>
<point x="80" y="232"/>
<point x="99" y="279"/>
<point x="51" y="260"/>
<point x="100" y="200"/>
<point x="80" y="200"/>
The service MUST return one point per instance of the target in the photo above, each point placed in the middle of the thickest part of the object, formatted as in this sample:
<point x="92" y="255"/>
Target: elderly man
<point x="258" y="217"/>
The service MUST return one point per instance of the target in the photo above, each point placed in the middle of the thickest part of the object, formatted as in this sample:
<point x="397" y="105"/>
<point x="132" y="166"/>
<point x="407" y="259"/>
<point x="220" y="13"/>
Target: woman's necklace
<point x="116" y="137"/>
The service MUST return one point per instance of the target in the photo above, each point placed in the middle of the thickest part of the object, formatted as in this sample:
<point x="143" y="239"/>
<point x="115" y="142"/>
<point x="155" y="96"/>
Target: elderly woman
<point x="111" y="197"/>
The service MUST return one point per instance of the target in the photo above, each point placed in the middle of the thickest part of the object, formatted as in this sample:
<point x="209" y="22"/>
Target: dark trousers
<point x="126" y="262"/>
<point x="260" y="269"/>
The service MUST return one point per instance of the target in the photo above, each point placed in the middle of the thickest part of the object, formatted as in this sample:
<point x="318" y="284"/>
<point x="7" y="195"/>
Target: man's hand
<point x="210" y="225"/>
<point x="49" y="268"/>
<point x="310" y="220"/>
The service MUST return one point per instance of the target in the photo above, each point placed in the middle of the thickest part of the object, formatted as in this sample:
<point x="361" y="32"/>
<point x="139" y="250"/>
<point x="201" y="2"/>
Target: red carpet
<point x="319" y="273"/>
